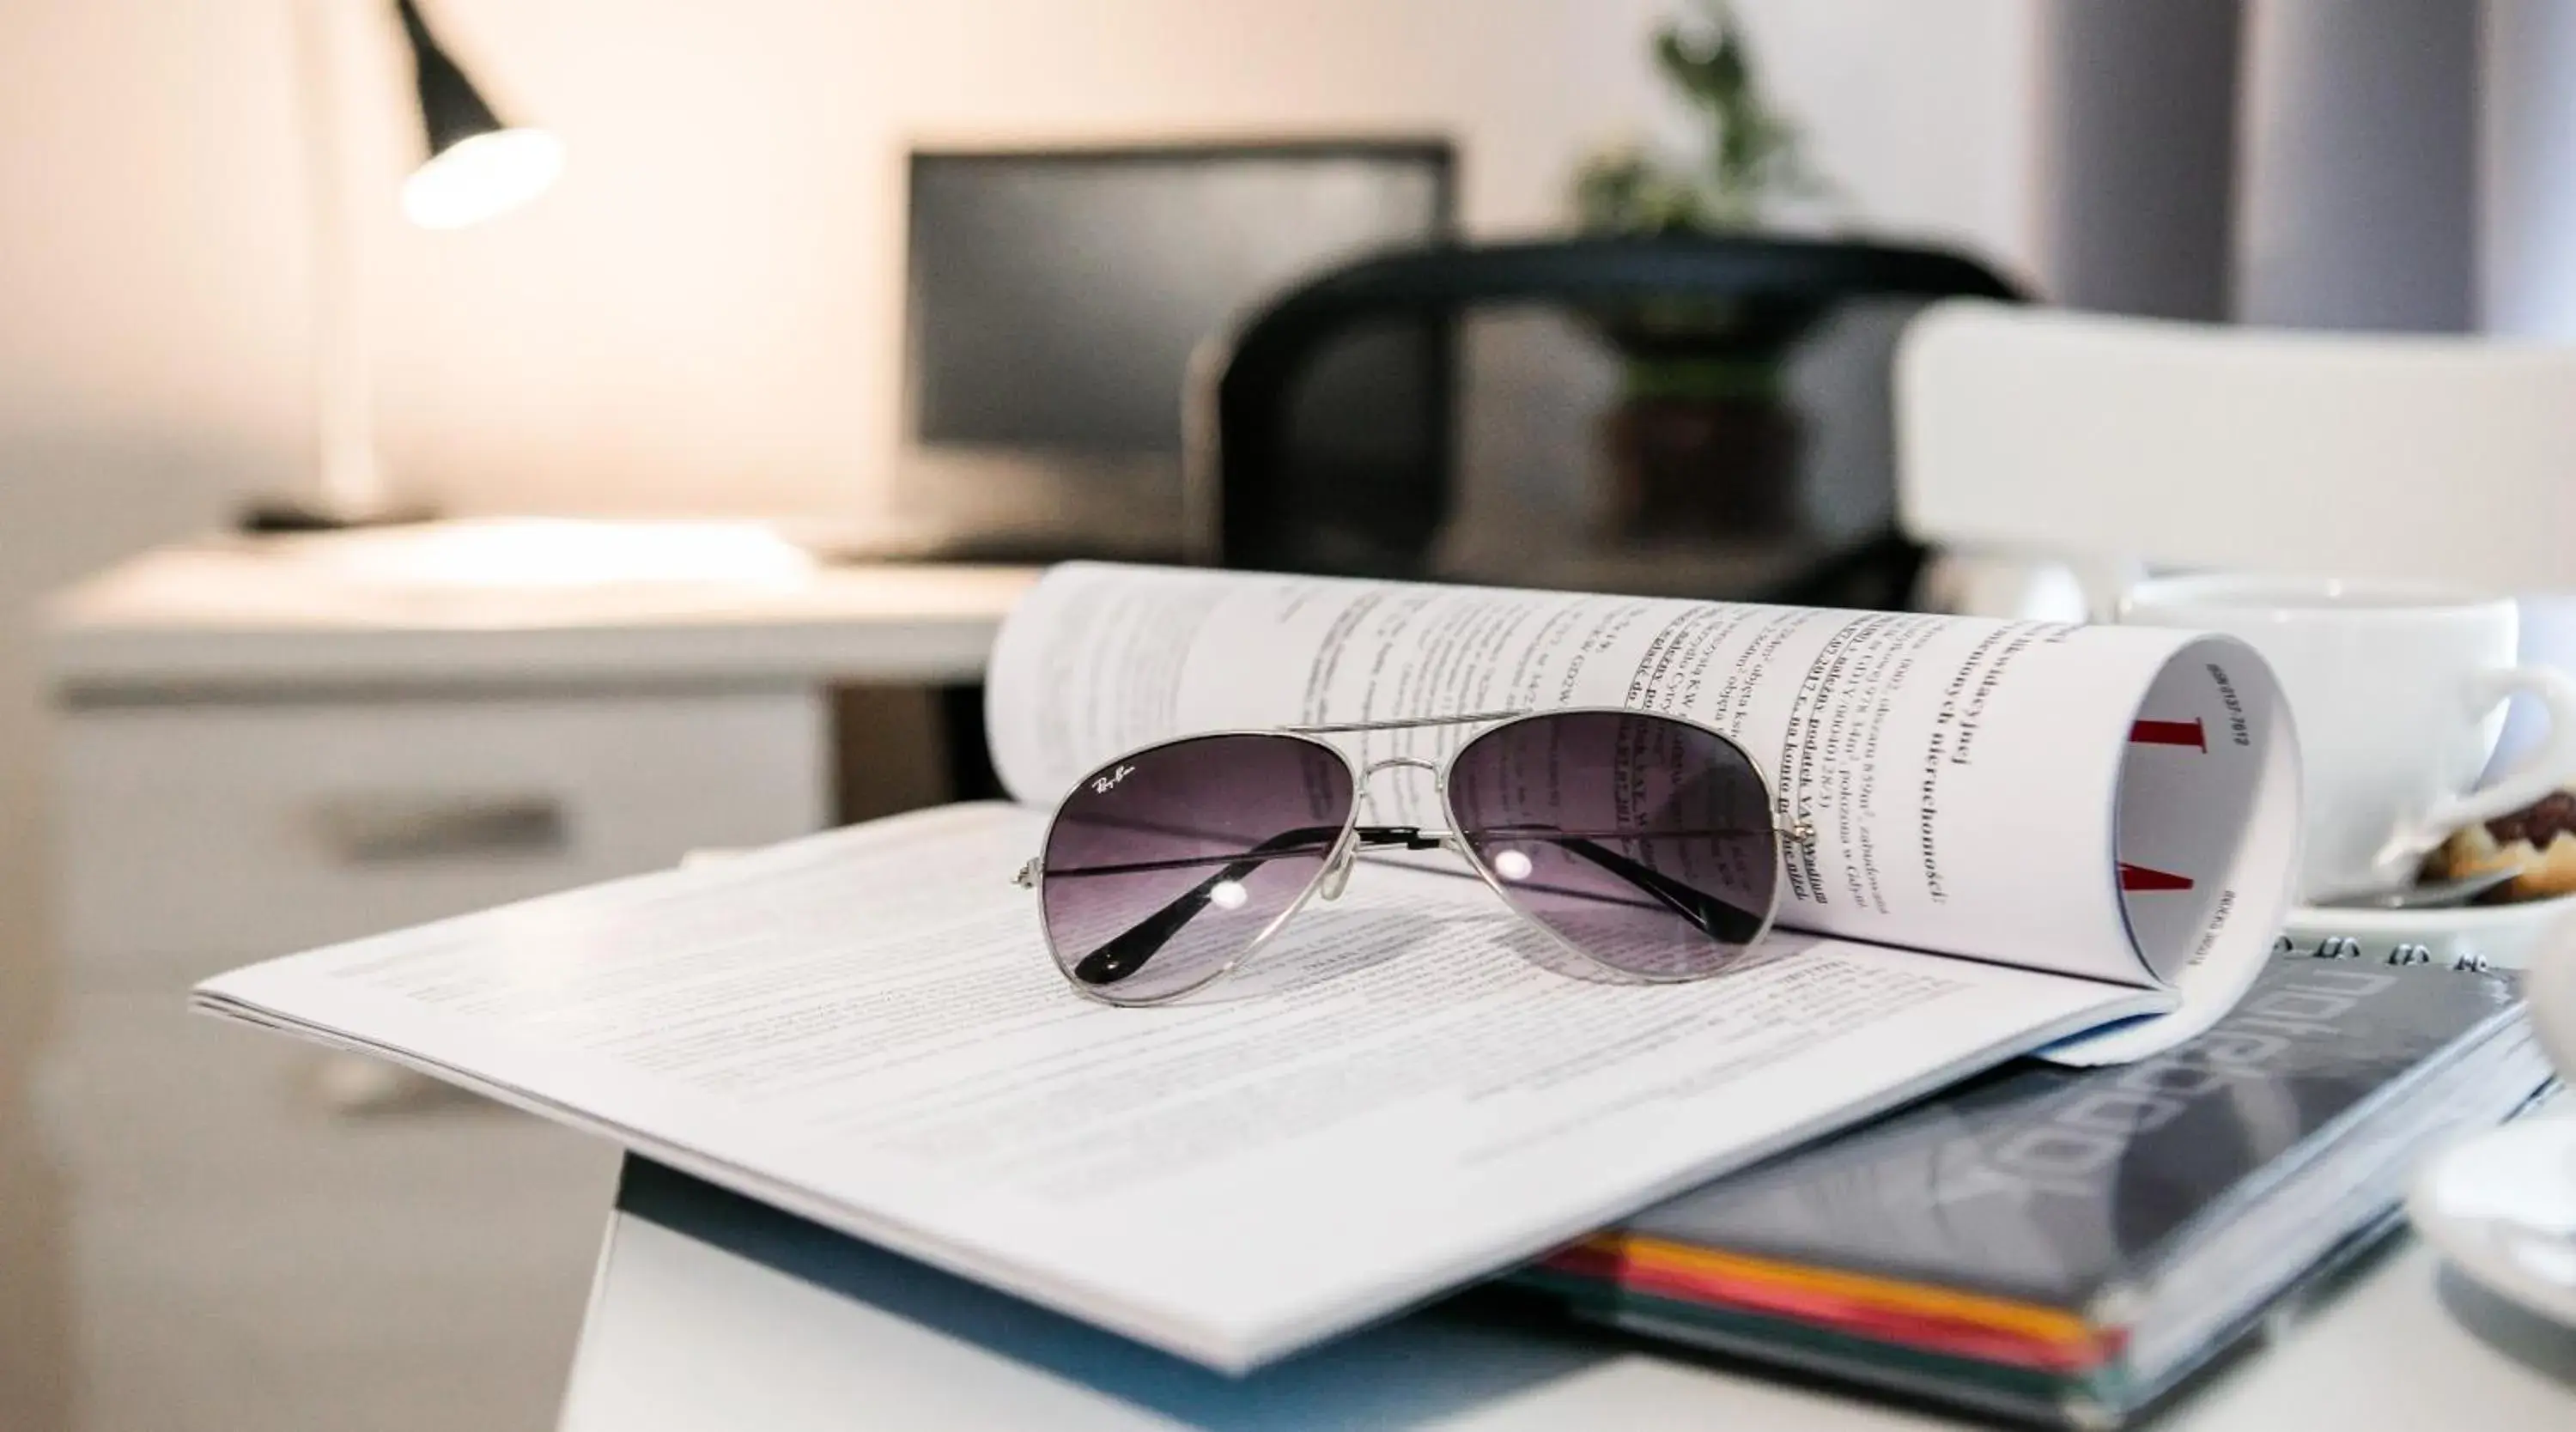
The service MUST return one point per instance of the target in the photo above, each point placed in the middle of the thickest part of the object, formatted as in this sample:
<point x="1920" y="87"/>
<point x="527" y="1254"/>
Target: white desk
<point x="701" y="1330"/>
<point x="261" y="747"/>
<point x="248" y="616"/>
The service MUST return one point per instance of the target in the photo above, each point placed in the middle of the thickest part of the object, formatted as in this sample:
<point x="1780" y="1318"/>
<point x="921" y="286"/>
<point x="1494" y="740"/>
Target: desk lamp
<point x="477" y="167"/>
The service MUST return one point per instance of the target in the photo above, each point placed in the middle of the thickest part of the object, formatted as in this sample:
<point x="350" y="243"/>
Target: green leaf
<point x="1753" y="151"/>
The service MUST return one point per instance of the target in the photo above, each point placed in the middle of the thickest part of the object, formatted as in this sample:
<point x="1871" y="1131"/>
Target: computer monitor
<point x="1054" y="300"/>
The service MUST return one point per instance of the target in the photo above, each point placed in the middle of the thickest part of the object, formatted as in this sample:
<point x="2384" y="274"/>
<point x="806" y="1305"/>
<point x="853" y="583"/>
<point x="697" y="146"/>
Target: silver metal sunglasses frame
<point x="1336" y="871"/>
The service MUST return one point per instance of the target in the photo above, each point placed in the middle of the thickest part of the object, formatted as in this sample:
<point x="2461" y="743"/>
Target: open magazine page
<point x="2117" y="803"/>
<point x="863" y="1027"/>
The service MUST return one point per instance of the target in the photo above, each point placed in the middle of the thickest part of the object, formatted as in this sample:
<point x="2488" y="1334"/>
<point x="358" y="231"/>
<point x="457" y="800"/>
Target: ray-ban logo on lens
<point x="1103" y="785"/>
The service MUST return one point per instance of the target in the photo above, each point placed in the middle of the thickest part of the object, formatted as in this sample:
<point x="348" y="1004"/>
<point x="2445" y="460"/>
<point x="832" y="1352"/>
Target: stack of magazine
<point x="2068" y="1246"/>
<point x="2019" y="838"/>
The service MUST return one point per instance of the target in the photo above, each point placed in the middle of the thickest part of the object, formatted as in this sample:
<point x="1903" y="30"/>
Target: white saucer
<point x="2473" y="936"/>
<point x="2502" y="1208"/>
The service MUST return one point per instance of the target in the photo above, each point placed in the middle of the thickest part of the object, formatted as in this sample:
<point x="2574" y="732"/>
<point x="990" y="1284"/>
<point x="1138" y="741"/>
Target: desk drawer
<point x="142" y="1101"/>
<point x="242" y="1258"/>
<point x="196" y="837"/>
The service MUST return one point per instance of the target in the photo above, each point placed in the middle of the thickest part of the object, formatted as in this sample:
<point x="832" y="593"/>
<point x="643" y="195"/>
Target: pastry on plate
<point x="2537" y="843"/>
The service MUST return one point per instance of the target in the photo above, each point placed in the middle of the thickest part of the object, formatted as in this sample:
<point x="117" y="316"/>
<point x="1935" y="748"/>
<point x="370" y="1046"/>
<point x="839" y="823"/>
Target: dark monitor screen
<point x="1055" y="297"/>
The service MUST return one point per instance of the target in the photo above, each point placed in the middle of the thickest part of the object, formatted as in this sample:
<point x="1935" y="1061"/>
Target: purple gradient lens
<point x="1643" y="841"/>
<point x="1163" y="867"/>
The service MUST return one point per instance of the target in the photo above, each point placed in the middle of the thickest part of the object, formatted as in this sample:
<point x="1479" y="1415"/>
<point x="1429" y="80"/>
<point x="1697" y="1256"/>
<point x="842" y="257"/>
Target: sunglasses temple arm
<point x="1126" y="952"/>
<point x="1704" y="910"/>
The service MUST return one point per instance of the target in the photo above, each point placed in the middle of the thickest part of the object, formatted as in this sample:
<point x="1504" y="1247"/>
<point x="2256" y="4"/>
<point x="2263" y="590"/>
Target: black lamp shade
<point x="451" y="109"/>
<point x="477" y="166"/>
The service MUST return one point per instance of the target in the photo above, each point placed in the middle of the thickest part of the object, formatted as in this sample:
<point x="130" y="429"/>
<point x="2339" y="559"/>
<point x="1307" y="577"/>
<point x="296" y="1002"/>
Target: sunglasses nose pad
<point x="1338" y="874"/>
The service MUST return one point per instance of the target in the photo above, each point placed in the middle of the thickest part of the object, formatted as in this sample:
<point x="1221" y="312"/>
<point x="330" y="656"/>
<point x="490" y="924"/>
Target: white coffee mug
<point x="2397" y="691"/>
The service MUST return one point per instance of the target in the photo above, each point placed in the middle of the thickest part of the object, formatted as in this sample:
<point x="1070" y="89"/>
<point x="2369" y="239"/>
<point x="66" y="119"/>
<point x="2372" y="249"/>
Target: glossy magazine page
<point x="2040" y="1240"/>
<point x="2043" y="1184"/>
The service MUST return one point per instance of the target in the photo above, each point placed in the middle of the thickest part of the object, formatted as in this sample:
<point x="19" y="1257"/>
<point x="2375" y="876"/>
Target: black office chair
<point x="1324" y="432"/>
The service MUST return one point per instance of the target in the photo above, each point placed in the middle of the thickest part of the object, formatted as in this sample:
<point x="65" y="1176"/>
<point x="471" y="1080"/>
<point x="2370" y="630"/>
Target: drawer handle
<point x="394" y="828"/>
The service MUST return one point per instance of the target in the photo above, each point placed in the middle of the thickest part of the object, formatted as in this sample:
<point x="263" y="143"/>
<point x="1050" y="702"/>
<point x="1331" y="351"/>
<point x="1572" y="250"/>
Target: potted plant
<point x="1700" y="443"/>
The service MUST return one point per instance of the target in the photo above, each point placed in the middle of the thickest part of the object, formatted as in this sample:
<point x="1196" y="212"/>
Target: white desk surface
<point x="239" y="615"/>
<point x="683" y="1336"/>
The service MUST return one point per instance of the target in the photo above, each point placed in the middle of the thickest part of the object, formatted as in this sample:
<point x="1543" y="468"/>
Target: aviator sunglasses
<point x="1643" y="843"/>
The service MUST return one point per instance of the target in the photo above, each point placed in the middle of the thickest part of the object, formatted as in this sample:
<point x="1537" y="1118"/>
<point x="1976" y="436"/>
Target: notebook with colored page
<point x="2069" y="1246"/>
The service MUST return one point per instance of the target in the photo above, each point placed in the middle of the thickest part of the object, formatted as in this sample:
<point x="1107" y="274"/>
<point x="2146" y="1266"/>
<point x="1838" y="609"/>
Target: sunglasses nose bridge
<point x="1368" y="774"/>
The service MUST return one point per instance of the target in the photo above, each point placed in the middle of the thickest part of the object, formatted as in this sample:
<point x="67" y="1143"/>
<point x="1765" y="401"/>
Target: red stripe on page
<point x="2139" y="877"/>
<point x="2169" y="733"/>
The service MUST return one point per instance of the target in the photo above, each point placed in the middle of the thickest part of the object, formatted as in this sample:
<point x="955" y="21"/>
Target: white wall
<point x="703" y="314"/>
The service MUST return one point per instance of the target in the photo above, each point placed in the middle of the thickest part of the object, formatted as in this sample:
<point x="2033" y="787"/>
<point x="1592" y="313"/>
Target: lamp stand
<point x="349" y="483"/>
